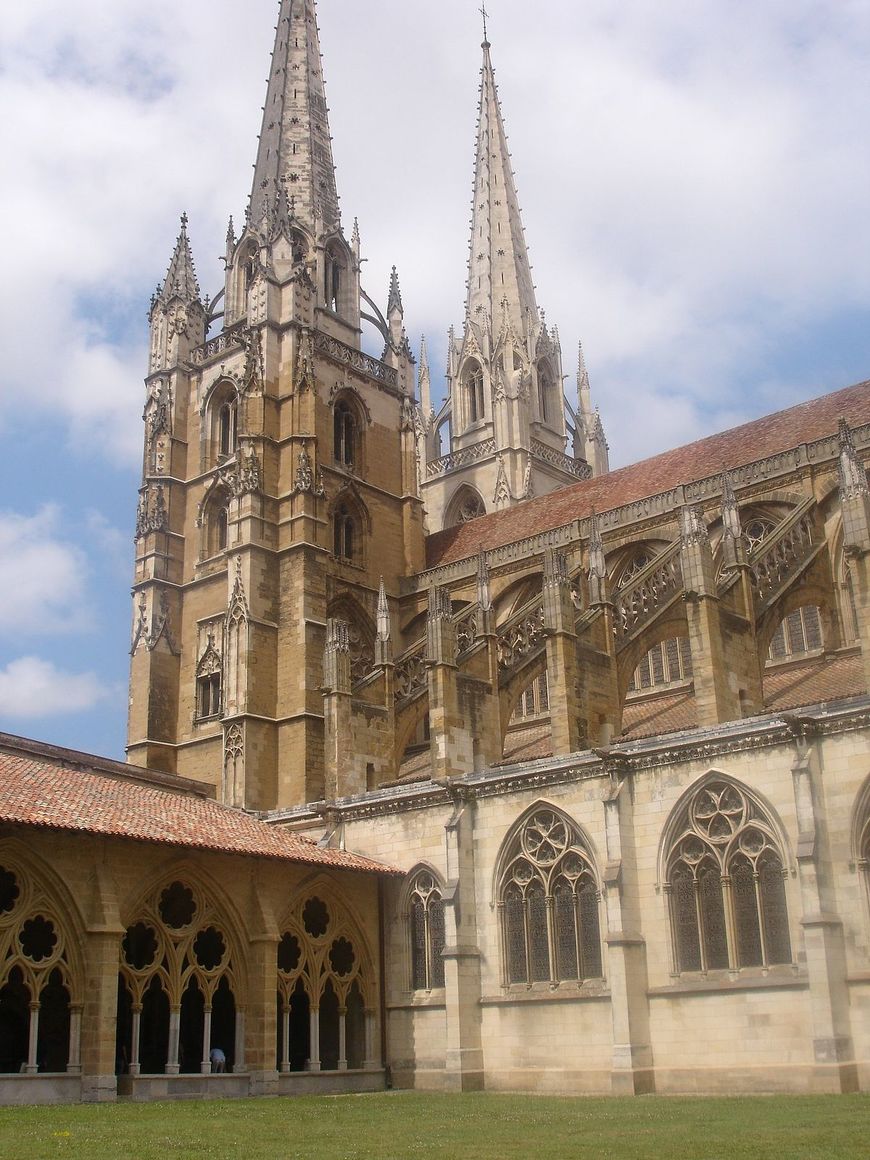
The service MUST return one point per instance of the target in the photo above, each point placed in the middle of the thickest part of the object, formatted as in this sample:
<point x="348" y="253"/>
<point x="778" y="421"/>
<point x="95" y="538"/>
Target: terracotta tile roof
<point x="818" y="680"/>
<point x="729" y="449"/>
<point x="84" y="795"/>
<point x="666" y="713"/>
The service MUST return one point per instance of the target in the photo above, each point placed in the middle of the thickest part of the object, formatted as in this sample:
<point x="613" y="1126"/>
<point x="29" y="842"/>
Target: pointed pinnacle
<point x="395" y="299"/>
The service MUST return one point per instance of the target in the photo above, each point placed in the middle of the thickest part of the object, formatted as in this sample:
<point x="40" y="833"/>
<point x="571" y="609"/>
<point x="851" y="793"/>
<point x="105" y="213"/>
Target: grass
<point x="403" y="1125"/>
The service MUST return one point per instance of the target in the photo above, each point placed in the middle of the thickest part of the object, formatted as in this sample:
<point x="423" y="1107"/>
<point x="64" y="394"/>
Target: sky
<point x="695" y="187"/>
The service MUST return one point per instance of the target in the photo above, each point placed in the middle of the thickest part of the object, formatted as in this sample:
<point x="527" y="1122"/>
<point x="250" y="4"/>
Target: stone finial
<point x="383" y="614"/>
<point x="484" y="598"/>
<point x="597" y="564"/>
<point x="692" y="526"/>
<point x="336" y="656"/>
<point x="853" y="477"/>
<point x="394" y="303"/>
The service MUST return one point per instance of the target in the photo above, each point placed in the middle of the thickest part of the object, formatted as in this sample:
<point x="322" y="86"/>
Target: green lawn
<point x="404" y="1125"/>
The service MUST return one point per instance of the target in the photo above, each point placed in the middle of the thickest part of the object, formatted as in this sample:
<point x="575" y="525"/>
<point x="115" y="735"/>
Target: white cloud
<point x="32" y="688"/>
<point x="42" y="576"/>
<point x="692" y="177"/>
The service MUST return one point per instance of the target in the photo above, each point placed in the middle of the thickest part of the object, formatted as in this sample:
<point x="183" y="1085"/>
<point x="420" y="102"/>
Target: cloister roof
<point x="724" y="451"/>
<point x="60" y="789"/>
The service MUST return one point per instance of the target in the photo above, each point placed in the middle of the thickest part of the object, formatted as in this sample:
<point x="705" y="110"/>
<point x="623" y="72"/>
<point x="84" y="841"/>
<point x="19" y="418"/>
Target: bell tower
<point x="505" y="408"/>
<point x="280" y="479"/>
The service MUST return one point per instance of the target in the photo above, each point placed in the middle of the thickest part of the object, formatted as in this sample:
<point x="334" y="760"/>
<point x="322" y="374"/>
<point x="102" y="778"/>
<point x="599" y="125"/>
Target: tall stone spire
<point x="180" y="281"/>
<point x="295" y="150"/>
<point x="498" y="264"/>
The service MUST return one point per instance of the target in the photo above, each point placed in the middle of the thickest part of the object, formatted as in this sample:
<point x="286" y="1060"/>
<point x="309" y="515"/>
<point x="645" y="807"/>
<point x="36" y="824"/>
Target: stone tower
<point x="505" y="412"/>
<point x="279" y="476"/>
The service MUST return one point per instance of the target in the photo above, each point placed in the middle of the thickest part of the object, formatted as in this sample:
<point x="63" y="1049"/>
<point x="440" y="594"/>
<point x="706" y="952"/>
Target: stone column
<point x="342" y="1039"/>
<point x="99" y="1014"/>
<point x="464" y="1054"/>
<point x="285" y="1039"/>
<point x="32" y="1065"/>
<point x="74" y="1066"/>
<point x="258" y="1022"/>
<point x="371" y="1062"/>
<point x="205" y="1066"/>
<point x="452" y="743"/>
<point x="314" y="1046"/>
<point x="834" y="1068"/>
<point x="134" y="1066"/>
<point x="567" y="715"/>
<point x="173" y="1066"/>
<point x="340" y="777"/>
<point x="632" y="1072"/>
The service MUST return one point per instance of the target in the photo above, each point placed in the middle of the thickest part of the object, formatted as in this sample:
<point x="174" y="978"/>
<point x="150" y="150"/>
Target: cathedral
<point x="456" y="760"/>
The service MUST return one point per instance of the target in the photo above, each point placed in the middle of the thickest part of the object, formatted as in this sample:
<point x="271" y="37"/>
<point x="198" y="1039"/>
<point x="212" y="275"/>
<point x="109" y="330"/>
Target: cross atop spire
<point x="295" y="149"/>
<point x="484" y="14"/>
<point x="498" y="265"/>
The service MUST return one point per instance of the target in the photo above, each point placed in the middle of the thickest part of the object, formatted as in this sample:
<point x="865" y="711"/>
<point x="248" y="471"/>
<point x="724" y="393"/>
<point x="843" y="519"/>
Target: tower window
<point x="544" y="392"/>
<point x="221" y="529"/>
<point x="345" y="434"/>
<point x="227" y="429"/>
<point x="344" y="533"/>
<point x="474" y="401"/>
<point x="208" y="696"/>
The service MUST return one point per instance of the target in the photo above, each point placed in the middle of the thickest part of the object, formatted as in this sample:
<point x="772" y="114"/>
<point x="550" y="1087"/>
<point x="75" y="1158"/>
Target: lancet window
<point x="426" y="932"/>
<point x="473" y="391"/>
<point x="208" y="683"/>
<point x="177" y="987"/>
<point x="798" y="633"/>
<point x="666" y="663"/>
<point x="346" y="434"/>
<point x="726" y="884"/>
<point x="549" y="903"/>
<point x="40" y="1019"/>
<point x="534" y="700"/>
<point x="344" y="533"/>
<point x="325" y="1005"/>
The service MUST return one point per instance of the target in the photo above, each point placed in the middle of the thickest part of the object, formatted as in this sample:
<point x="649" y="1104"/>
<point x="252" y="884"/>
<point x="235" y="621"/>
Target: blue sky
<point x="694" y="182"/>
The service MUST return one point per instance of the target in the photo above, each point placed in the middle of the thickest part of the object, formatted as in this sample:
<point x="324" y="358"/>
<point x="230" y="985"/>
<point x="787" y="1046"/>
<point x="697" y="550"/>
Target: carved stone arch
<point x="517" y="592"/>
<point x="465" y="504"/>
<point x="843" y="585"/>
<point x="625" y="562"/>
<point x="676" y="819"/>
<point x="807" y="590"/>
<point x="423" y="866"/>
<point x="361" y="633"/>
<point x="415" y="628"/>
<point x="350" y="525"/>
<point x="342" y="922"/>
<point x="44" y="892"/>
<point x="547" y="401"/>
<point x="577" y="835"/>
<point x="408" y="720"/>
<point x="206" y="887"/>
<point x="352" y="393"/>
<point x="213" y="517"/>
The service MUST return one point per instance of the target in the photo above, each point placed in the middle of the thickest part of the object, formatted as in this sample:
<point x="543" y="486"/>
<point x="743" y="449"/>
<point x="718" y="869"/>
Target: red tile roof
<point x="725" y="451"/>
<point x="82" y="794"/>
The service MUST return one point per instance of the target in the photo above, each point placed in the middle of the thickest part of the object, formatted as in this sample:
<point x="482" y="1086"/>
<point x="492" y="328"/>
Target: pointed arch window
<point x="466" y="504"/>
<point x="473" y="393"/>
<point x="227" y="428"/>
<point x="549" y="903"/>
<point x="334" y="268"/>
<point x="726" y="885"/>
<point x="545" y="394"/>
<point x="345" y="434"/>
<point x="344" y="533"/>
<point x="798" y="633"/>
<point x="426" y="932"/>
<point x="208" y="683"/>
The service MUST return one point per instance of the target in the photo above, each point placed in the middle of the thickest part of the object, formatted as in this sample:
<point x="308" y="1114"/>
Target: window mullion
<point x="759" y="908"/>
<point x="730" y="922"/>
<point x="702" y="946"/>
<point x="555" y="970"/>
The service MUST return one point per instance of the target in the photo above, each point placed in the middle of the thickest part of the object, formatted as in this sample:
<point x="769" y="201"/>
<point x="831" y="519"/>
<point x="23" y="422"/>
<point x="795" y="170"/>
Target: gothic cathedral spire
<point x="505" y="406"/>
<point x="498" y="263"/>
<point x="294" y="157"/>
